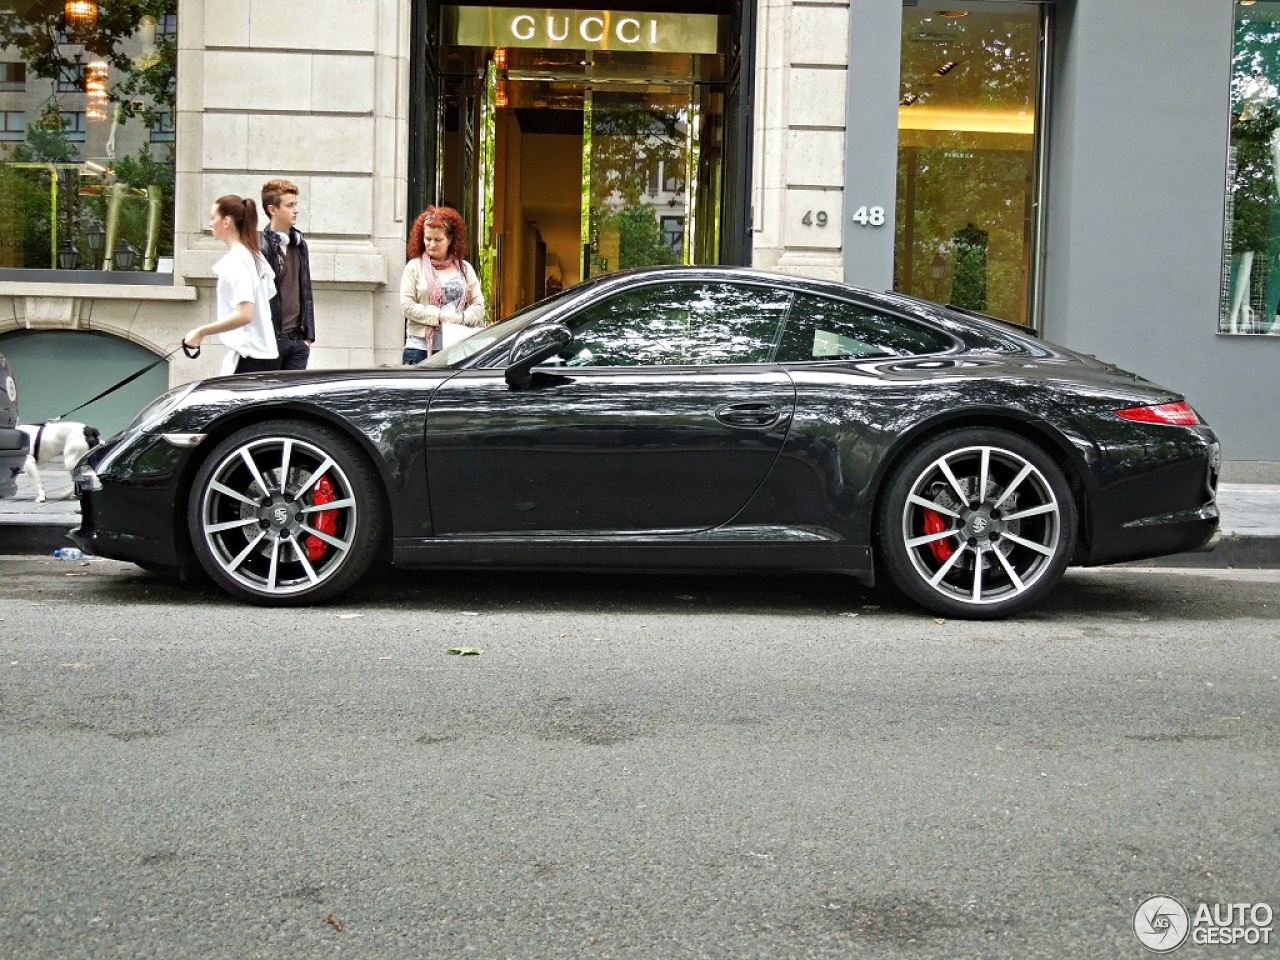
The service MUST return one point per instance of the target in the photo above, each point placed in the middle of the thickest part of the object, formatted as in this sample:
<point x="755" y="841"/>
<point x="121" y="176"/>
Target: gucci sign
<point x="581" y="29"/>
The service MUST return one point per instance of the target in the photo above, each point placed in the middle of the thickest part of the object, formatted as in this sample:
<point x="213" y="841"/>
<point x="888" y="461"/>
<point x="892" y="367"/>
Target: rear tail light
<point x="1178" y="414"/>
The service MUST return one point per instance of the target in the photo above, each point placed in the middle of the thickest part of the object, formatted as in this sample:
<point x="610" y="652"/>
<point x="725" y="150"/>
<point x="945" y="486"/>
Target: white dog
<point x="65" y="440"/>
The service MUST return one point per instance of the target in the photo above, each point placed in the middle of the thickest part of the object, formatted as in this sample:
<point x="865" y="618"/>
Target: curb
<point x="34" y="539"/>
<point x="1233" y="551"/>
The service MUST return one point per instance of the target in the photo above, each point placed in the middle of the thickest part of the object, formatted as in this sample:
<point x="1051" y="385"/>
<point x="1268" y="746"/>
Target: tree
<point x="640" y="239"/>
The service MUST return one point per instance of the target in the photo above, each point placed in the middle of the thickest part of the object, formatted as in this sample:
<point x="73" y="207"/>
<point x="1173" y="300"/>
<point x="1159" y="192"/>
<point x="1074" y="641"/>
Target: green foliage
<point x="628" y="142"/>
<point x="47" y="138"/>
<point x="24" y="214"/>
<point x="143" y="170"/>
<point x="1253" y="184"/>
<point x="640" y="239"/>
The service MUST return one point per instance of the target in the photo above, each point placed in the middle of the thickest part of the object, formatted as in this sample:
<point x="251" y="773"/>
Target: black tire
<point x="253" y="514"/>
<point x="969" y="556"/>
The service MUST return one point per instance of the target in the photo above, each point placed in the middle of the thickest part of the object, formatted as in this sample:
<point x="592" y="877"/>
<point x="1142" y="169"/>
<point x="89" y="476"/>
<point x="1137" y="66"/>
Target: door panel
<point x="606" y="449"/>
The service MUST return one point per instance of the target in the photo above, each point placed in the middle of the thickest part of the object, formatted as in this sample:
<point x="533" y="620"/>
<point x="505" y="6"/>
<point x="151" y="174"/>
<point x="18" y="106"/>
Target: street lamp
<point x="124" y="255"/>
<point x="68" y="256"/>
<point x="95" y="235"/>
<point x="937" y="270"/>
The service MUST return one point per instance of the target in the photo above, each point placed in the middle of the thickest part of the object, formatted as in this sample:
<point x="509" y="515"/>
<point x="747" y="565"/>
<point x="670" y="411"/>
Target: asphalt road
<point x="644" y="768"/>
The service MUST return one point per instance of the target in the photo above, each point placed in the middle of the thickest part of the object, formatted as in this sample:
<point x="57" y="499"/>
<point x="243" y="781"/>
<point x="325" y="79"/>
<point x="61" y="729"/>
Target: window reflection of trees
<point x="680" y="324"/>
<point x="635" y="143"/>
<point x="133" y="44"/>
<point x="1252" y="301"/>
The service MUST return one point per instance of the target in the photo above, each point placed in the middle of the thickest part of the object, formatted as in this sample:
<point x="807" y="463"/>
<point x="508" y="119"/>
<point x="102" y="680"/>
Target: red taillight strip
<point x="1177" y="414"/>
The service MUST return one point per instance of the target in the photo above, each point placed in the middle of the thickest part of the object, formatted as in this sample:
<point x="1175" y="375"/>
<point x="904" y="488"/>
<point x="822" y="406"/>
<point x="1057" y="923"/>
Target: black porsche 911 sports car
<point x="684" y="418"/>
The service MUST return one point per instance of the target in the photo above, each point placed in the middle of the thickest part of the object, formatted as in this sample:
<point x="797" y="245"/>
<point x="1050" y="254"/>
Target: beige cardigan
<point x="422" y="315"/>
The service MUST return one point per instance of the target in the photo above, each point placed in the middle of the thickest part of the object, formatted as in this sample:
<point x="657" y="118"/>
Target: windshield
<point x="486" y="337"/>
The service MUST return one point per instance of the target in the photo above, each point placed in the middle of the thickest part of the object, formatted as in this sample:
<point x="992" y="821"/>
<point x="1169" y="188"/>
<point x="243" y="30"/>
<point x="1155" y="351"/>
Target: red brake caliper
<point x="326" y="521"/>
<point x="933" y="523"/>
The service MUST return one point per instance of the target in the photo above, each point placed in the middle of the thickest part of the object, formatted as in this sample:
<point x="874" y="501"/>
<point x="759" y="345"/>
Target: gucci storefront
<point x="1099" y="172"/>
<point x="582" y="142"/>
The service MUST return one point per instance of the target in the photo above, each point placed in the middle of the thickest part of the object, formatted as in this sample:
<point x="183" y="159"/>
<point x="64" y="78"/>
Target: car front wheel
<point x="977" y="523"/>
<point x="284" y="513"/>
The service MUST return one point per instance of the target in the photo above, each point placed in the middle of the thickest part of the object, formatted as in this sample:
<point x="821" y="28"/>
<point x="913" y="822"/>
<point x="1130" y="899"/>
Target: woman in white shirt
<point x="246" y="284"/>
<point x="438" y="286"/>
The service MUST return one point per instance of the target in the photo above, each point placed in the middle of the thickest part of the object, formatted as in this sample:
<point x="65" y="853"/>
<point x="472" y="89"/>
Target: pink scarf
<point x="435" y="289"/>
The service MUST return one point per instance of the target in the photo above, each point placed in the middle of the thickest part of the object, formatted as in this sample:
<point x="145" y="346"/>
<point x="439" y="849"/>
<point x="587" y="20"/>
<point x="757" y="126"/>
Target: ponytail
<point x="244" y="214"/>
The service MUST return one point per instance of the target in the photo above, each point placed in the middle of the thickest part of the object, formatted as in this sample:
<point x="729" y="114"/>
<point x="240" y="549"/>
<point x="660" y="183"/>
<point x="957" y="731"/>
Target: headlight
<point x="159" y="408"/>
<point x="85" y="477"/>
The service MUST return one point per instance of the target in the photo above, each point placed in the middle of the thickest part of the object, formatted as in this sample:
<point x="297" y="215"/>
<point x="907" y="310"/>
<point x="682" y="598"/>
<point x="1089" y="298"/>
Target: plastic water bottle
<point x="68" y="553"/>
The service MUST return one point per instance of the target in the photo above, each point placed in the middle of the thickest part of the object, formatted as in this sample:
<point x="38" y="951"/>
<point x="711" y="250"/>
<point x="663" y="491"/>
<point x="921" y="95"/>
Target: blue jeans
<point x="294" y="354"/>
<point x="412" y="355"/>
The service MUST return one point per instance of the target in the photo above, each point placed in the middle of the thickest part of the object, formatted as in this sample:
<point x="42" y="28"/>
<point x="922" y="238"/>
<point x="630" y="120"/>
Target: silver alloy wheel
<point x="982" y="525"/>
<point x="260" y="518"/>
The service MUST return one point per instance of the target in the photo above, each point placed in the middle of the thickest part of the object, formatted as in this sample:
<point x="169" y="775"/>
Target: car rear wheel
<point x="284" y="513"/>
<point x="977" y="523"/>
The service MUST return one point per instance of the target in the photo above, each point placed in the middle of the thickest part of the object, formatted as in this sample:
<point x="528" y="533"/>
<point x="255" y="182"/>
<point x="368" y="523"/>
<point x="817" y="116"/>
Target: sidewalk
<point x="1250" y="524"/>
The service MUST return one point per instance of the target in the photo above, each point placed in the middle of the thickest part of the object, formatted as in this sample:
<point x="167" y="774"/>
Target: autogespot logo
<point x="1161" y="924"/>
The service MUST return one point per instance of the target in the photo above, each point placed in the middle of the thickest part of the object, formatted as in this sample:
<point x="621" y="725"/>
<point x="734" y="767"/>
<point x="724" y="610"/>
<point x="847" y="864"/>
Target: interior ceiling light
<point x="95" y="78"/>
<point x="946" y="68"/>
<point x="81" y="15"/>
<point x="953" y="14"/>
<point x="909" y="99"/>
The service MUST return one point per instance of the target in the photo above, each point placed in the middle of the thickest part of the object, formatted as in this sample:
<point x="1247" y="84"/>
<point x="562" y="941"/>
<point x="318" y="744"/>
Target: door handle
<point x="749" y="415"/>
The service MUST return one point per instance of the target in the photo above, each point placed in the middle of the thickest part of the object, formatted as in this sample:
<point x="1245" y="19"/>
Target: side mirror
<point x="531" y="348"/>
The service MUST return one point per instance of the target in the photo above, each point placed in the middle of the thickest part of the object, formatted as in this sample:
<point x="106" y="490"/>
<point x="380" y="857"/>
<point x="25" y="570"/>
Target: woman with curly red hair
<point x="439" y="291"/>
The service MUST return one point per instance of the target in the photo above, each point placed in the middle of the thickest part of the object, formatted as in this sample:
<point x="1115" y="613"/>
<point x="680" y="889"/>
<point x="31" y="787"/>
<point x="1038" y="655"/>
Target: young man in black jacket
<point x="292" y="308"/>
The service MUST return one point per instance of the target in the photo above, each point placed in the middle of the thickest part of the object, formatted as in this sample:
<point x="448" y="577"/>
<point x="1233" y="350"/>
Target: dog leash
<point x="132" y="377"/>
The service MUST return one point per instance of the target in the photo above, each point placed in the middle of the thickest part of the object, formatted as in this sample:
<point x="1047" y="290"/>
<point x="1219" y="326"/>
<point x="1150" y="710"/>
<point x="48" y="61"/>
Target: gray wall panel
<point x="871" y="156"/>
<point x="1137" y="164"/>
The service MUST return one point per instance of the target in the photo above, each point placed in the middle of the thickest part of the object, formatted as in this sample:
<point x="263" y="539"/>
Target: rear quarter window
<point x="819" y="328"/>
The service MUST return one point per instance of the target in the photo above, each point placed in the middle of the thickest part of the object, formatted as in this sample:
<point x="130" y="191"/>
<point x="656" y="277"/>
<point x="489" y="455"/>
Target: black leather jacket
<point x="271" y="249"/>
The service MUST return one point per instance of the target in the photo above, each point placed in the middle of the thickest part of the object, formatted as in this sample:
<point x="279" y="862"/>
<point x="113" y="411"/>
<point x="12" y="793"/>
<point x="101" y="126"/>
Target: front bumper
<point x="131" y="506"/>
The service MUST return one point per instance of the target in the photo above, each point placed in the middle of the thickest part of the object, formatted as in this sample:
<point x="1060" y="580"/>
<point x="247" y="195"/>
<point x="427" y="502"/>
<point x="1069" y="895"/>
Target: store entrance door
<point x="573" y="163"/>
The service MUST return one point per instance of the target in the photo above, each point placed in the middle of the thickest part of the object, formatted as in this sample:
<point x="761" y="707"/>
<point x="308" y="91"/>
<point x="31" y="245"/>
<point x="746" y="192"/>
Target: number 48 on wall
<point x="869" y="216"/>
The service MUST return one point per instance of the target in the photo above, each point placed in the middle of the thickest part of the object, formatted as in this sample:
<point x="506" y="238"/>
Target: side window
<point x="822" y="329"/>
<point x="671" y="324"/>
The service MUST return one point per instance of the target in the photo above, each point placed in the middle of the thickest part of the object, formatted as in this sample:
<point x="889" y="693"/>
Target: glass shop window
<point x="967" y="130"/>
<point x="86" y="144"/>
<point x="1250" y="274"/>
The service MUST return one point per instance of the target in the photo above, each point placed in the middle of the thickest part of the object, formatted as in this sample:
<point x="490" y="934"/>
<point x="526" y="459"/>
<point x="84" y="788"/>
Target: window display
<point x="84" y="182"/>
<point x="967" y="129"/>
<point x="1251" y="280"/>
